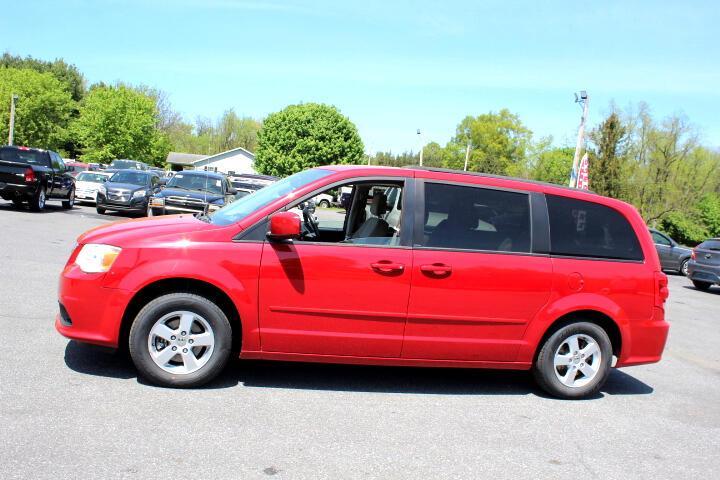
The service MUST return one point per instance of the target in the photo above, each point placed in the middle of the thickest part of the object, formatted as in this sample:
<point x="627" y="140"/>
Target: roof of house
<point x="178" y="158"/>
<point x="228" y="153"/>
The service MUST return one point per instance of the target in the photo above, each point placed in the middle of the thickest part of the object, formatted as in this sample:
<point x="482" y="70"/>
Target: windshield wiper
<point x="203" y="217"/>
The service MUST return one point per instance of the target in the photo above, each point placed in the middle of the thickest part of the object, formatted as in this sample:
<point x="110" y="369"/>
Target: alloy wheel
<point x="577" y="360"/>
<point x="181" y="342"/>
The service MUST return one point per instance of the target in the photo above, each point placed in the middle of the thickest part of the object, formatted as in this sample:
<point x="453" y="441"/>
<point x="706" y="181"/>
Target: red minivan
<point x="423" y="267"/>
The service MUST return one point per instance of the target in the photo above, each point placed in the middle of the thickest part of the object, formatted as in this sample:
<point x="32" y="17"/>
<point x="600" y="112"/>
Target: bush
<point x="684" y="229"/>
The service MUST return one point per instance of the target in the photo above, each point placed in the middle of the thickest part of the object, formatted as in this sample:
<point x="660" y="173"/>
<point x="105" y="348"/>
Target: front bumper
<point x="85" y="195"/>
<point x="132" y="205"/>
<point x="89" y="312"/>
<point x="703" y="273"/>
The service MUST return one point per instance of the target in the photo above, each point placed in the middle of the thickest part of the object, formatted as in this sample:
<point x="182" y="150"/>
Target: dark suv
<point x="127" y="191"/>
<point x="192" y="192"/>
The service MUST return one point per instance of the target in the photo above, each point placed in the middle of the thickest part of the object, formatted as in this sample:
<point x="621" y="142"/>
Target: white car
<point x="87" y="184"/>
<point x="324" y="200"/>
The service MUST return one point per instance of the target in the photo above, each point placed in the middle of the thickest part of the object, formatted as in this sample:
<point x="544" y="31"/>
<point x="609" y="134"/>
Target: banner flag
<point x="583" y="178"/>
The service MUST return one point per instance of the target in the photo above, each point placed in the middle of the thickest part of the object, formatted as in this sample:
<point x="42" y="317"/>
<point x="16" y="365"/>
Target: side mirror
<point x="232" y="191"/>
<point x="284" y="226"/>
<point x="162" y="181"/>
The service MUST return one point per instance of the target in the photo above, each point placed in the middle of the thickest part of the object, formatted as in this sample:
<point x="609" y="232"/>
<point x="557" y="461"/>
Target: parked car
<point x="34" y="176"/>
<point x="76" y="167"/>
<point x="672" y="255"/>
<point x="324" y="200"/>
<point x="192" y="192"/>
<point x="127" y="191"/>
<point x="477" y="271"/>
<point x="704" y="266"/>
<point x="250" y="183"/>
<point x="124" y="164"/>
<point x="87" y="185"/>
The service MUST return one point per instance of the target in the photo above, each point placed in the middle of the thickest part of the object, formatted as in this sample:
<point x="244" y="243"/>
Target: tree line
<point x="658" y="165"/>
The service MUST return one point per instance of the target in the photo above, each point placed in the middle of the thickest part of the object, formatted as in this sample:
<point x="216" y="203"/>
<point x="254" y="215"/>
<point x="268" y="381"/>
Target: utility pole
<point x="13" y="99"/>
<point x="421" y="147"/>
<point x="583" y="99"/>
<point x="467" y="156"/>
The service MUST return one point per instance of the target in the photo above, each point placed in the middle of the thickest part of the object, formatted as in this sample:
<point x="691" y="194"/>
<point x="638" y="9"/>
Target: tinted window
<point x="30" y="157"/>
<point x="92" y="177"/>
<point x="134" y="178"/>
<point x="196" y="181"/>
<point x="476" y="218"/>
<point x="657" y="238"/>
<point x="710" y="245"/>
<point x="585" y="229"/>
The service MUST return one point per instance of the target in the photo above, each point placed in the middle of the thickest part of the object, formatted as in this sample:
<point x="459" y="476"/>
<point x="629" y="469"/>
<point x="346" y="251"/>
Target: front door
<point x="343" y="288"/>
<point x="475" y="283"/>
<point x="663" y="245"/>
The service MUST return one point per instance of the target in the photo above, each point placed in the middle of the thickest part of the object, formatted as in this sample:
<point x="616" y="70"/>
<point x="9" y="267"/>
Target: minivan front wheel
<point x="574" y="362"/>
<point x="180" y="340"/>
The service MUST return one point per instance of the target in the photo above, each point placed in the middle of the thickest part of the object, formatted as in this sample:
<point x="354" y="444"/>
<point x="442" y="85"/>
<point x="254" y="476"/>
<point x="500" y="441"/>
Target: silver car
<point x="672" y="255"/>
<point x="704" y="267"/>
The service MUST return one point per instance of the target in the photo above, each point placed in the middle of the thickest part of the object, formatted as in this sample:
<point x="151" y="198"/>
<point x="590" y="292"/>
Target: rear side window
<point x="710" y="245"/>
<point x="473" y="218"/>
<point x="586" y="229"/>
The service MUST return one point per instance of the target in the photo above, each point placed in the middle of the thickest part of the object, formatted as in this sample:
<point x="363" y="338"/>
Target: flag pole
<point x="584" y="100"/>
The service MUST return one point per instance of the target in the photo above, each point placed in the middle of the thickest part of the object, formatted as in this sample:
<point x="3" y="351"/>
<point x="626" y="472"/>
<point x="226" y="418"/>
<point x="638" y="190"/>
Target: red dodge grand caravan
<point x="422" y="267"/>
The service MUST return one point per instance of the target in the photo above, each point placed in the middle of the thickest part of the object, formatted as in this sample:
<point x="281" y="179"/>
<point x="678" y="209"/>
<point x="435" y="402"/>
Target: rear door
<point x="475" y="282"/>
<point x="61" y="181"/>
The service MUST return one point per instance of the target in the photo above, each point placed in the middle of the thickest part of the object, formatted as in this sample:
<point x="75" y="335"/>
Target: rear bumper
<point x="703" y="273"/>
<point x="645" y="341"/>
<point x="9" y="191"/>
<point x="89" y="312"/>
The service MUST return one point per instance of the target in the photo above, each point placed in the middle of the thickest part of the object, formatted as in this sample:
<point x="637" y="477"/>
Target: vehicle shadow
<point x="90" y="360"/>
<point x="712" y="291"/>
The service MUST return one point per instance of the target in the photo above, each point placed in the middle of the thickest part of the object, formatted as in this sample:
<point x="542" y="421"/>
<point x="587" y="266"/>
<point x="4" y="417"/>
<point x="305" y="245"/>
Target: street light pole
<point x="467" y="156"/>
<point x="584" y="101"/>
<point x="421" y="147"/>
<point x="11" y="134"/>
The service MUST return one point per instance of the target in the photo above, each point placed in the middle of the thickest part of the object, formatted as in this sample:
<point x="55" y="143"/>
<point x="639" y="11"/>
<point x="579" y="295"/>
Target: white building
<point x="236" y="161"/>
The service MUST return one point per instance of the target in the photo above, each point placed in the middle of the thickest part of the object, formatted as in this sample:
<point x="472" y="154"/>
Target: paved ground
<point x="72" y="411"/>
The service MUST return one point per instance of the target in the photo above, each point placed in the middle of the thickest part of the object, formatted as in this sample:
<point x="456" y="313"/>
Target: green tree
<point x="551" y="164"/>
<point x="498" y="143"/>
<point x="305" y="136"/>
<point x="42" y="111"/>
<point x="120" y="122"/>
<point x="68" y="74"/>
<point x="607" y="162"/>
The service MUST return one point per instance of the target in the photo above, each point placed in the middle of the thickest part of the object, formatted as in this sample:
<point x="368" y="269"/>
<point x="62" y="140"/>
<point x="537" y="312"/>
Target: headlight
<point x="157" y="201"/>
<point x="214" y="207"/>
<point x="102" y="189"/>
<point x="96" y="258"/>
<point x="138" y="194"/>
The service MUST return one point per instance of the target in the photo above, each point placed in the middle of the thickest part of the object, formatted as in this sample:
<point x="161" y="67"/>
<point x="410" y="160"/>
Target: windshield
<point x="205" y="183"/>
<point x="130" y="164"/>
<point x="243" y="207"/>
<point x="134" y="178"/>
<point x="91" y="177"/>
<point x="30" y="157"/>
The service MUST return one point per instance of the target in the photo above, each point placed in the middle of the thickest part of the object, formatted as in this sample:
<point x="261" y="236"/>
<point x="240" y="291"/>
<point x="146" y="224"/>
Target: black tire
<point x="100" y="210"/>
<point x="70" y="202"/>
<point x="704" y="286"/>
<point x="544" y="368"/>
<point x="37" y="202"/>
<point x="155" y="310"/>
<point x="324" y="204"/>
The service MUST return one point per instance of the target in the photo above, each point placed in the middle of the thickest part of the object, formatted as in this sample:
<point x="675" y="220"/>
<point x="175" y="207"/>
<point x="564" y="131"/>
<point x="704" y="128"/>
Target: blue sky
<point x="393" y="66"/>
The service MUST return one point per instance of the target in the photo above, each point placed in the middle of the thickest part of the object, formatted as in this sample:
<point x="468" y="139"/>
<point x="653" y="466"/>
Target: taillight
<point x="661" y="289"/>
<point x="29" y="175"/>
<point x="692" y="254"/>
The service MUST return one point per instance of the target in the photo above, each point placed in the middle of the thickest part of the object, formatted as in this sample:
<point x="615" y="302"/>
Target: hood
<point x="124" y="186"/>
<point x="197" y="194"/>
<point x="127" y="232"/>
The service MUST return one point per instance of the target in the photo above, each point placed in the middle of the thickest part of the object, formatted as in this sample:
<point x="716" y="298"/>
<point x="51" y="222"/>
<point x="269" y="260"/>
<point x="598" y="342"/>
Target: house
<point x="236" y="161"/>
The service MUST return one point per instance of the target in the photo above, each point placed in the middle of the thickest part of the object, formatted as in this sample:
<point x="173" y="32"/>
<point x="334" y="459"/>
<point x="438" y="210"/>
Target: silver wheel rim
<point x="684" y="268"/>
<point x="71" y="200"/>
<point x="181" y="342"/>
<point x="577" y="360"/>
<point x="41" y="199"/>
<point x="149" y="211"/>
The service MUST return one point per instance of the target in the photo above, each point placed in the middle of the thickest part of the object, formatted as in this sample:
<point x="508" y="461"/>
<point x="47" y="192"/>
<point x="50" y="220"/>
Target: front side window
<point x="586" y="229"/>
<point x="473" y="218"/>
<point x="660" y="239"/>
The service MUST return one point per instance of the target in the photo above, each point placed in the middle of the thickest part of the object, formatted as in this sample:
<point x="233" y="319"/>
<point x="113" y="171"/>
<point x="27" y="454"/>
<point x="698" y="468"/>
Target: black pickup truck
<point x="33" y="175"/>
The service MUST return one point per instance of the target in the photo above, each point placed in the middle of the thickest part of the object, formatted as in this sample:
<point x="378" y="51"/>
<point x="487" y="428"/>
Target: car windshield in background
<point x="205" y="183"/>
<point x="91" y="177"/>
<point x="710" y="245"/>
<point x="125" y="164"/>
<point x="130" y="177"/>
<point x="243" y="207"/>
<point x="30" y="157"/>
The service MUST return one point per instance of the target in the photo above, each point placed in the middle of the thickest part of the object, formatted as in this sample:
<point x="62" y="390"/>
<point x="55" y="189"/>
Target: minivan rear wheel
<point x="574" y="362"/>
<point x="180" y="340"/>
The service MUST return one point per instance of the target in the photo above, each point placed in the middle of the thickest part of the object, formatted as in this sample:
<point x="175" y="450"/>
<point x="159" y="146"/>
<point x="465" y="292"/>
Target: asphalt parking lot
<point x="74" y="411"/>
